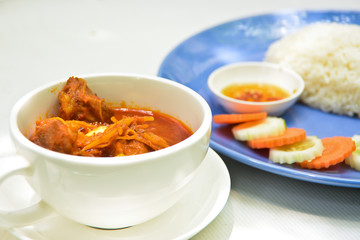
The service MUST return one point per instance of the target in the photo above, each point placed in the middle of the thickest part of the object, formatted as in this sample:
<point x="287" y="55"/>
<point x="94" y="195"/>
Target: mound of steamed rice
<point x="327" y="56"/>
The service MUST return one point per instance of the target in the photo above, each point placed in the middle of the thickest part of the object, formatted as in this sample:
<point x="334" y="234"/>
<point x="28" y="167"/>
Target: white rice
<point x="327" y="56"/>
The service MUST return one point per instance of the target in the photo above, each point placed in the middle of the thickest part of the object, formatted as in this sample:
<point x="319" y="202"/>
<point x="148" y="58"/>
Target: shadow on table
<point x="301" y="196"/>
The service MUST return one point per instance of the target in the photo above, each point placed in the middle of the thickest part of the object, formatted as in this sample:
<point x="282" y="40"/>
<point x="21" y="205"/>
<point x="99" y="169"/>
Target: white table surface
<point x="42" y="41"/>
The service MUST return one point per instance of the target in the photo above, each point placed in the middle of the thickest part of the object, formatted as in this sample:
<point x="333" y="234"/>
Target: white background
<point x="42" y="41"/>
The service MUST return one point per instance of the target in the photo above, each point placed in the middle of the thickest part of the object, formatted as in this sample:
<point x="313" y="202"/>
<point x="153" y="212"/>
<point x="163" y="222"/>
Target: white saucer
<point x="204" y="200"/>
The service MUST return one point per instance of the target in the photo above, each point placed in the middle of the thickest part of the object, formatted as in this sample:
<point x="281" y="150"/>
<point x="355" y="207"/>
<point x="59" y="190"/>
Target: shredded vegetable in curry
<point x="87" y="126"/>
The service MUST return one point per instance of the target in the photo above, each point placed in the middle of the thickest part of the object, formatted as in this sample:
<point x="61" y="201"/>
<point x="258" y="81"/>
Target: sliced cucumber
<point x="271" y="126"/>
<point x="305" y="150"/>
<point x="354" y="159"/>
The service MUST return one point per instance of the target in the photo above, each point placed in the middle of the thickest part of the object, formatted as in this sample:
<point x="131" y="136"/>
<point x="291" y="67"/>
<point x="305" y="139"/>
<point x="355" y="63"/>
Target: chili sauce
<point x="255" y="92"/>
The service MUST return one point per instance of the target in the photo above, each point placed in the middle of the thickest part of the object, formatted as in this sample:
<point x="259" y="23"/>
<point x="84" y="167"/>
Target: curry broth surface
<point x="165" y="126"/>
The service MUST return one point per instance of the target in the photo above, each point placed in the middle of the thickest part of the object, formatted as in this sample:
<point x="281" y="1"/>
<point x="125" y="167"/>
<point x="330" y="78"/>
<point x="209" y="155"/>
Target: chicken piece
<point x="78" y="102"/>
<point x="54" y="134"/>
<point x="123" y="137"/>
<point x="127" y="136"/>
<point x="129" y="147"/>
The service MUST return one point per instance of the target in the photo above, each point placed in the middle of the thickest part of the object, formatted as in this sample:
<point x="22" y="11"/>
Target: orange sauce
<point x="255" y="92"/>
<point x="169" y="128"/>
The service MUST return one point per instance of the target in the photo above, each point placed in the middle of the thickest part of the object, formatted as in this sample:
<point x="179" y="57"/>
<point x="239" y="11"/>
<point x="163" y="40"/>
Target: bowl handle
<point x="12" y="166"/>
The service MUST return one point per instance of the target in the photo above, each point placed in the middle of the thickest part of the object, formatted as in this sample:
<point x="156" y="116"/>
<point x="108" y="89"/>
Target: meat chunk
<point x="78" y="102"/>
<point x="87" y="126"/>
<point x="129" y="147"/>
<point x="54" y="134"/>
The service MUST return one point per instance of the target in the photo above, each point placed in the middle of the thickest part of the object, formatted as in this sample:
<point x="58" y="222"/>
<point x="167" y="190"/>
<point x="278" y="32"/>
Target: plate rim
<point x="287" y="172"/>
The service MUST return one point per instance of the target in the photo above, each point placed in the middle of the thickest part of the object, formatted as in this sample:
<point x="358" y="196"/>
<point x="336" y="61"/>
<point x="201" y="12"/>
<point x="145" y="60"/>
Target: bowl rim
<point x="274" y="66"/>
<point x="62" y="158"/>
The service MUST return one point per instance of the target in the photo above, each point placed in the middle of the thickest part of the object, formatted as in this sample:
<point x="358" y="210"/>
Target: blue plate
<point x="248" y="39"/>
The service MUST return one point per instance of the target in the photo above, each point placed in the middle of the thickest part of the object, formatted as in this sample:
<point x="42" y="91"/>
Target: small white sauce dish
<point x="256" y="72"/>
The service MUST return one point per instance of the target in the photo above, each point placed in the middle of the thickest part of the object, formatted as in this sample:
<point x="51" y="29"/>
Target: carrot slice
<point x="248" y="124"/>
<point x="336" y="149"/>
<point x="290" y="136"/>
<point x="238" y="118"/>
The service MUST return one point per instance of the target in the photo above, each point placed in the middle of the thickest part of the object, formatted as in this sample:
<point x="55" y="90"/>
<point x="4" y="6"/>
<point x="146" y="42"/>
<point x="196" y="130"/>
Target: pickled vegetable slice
<point x="270" y="126"/>
<point x="238" y="118"/>
<point x="336" y="149"/>
<point x="305" y="150"/>
<point x="290" y="136"/>
<point x="354" y="159"/>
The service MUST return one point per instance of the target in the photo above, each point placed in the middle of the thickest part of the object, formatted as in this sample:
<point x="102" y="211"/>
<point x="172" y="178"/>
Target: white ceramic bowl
<point x="115" y="192"/>
<point x="256" y="72"/>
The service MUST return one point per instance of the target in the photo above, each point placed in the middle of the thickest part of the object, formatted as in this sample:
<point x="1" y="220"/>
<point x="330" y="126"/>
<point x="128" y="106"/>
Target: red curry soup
<point x="87" y="126"/>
